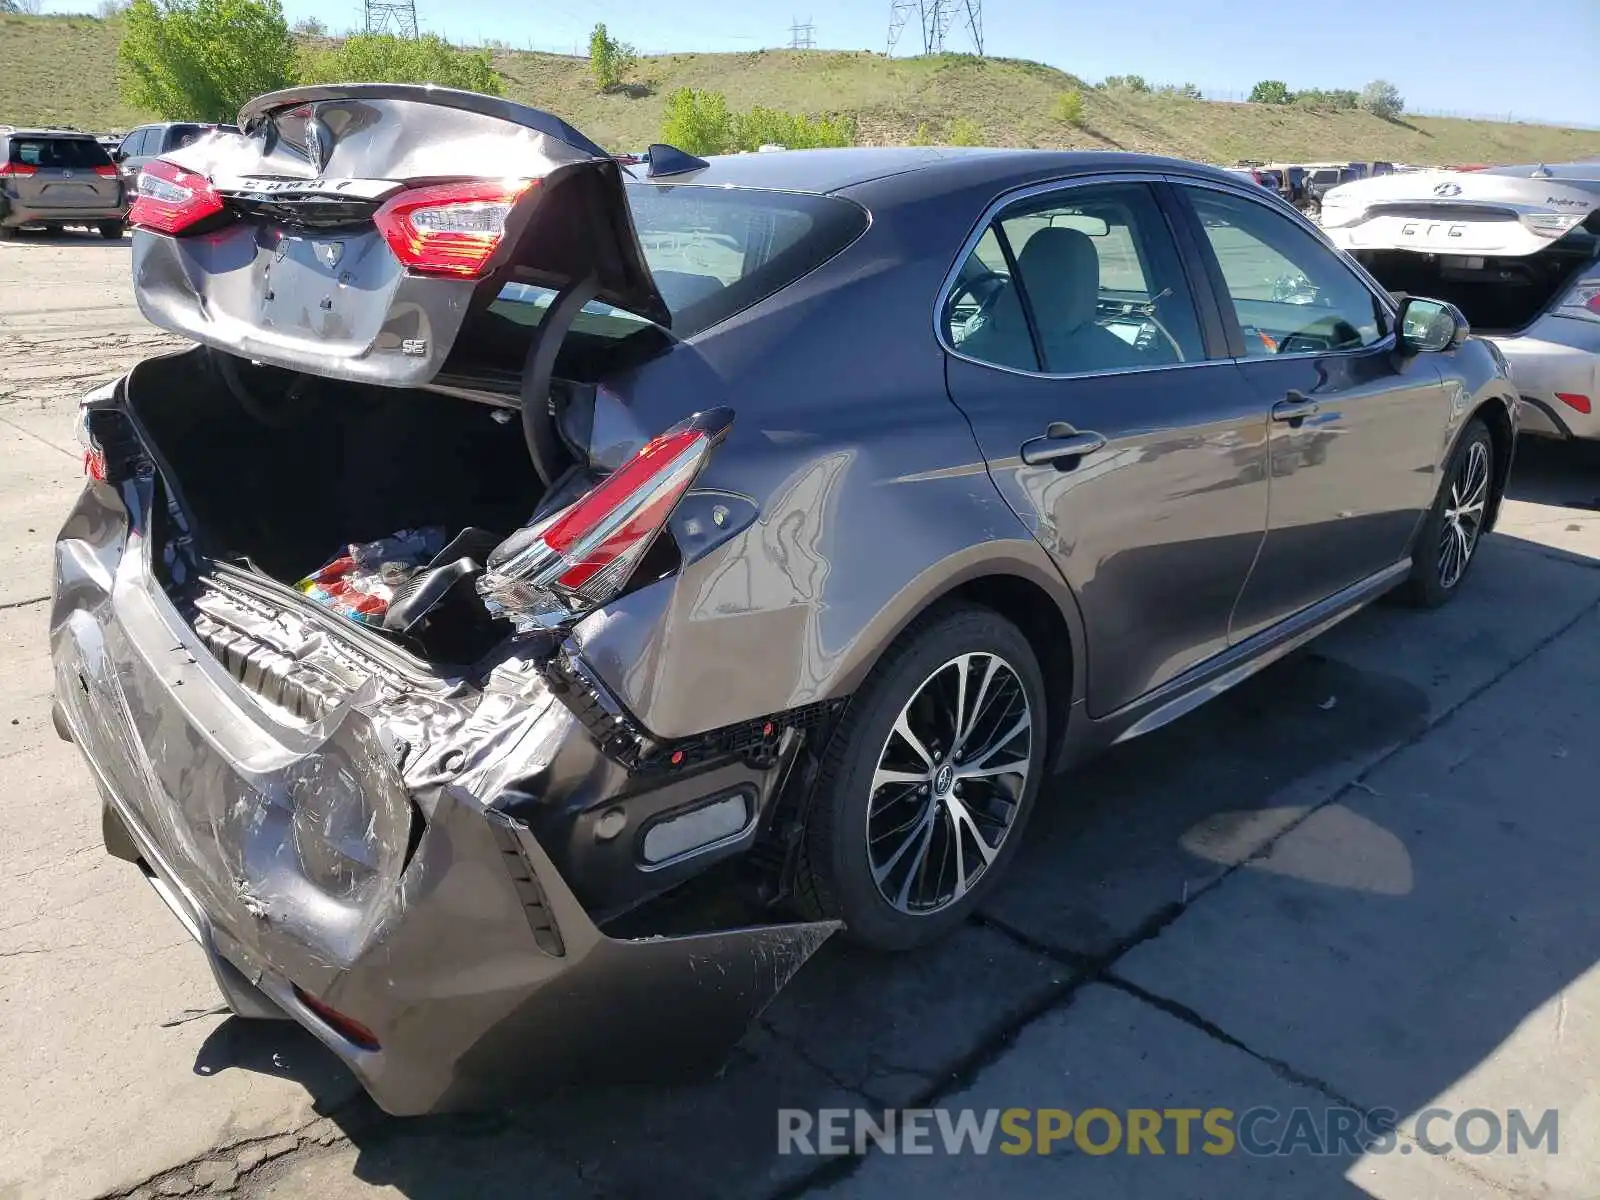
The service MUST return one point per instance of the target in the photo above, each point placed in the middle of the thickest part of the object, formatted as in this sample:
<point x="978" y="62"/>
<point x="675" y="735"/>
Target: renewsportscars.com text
<point x="1259" y="1131"/>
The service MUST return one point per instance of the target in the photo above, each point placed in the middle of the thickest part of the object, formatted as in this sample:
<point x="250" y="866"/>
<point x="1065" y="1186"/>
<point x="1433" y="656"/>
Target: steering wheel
<point x="972" y="286"/>
<point x="1148" y="317"/>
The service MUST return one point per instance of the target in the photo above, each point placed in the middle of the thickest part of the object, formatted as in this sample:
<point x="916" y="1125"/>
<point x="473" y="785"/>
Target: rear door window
<point x="1098" y="272"/>
<point x="179" y="136"/>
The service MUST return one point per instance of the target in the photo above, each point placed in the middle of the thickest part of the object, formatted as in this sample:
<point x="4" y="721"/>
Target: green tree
<point x="384" y="58"/>
<point x="964" y="132"/>
<point x="698" y="122"/>
<point x="1382" y="99"/>
<point x="609" y="59"/>
<point x="200" y="60"/>
<point x="311" y="27"/>
<point x="1127" y="83"/>
<point x="1068" y="108"/>
<point x="1183" y="91"/>
<point x="1271" y="91"/>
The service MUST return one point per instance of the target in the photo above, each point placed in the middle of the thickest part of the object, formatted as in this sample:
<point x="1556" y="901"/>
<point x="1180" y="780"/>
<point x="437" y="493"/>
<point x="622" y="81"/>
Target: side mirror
<point x="1430" y="325"/>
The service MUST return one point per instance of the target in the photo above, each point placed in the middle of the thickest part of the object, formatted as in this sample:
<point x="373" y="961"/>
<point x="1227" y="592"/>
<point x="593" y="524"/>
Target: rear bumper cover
<point x="15" y="214"/>
<point x="461" y="947"/>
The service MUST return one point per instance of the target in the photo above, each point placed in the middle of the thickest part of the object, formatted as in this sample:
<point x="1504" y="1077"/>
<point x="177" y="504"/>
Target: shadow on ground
<point x="1116" y="852"/>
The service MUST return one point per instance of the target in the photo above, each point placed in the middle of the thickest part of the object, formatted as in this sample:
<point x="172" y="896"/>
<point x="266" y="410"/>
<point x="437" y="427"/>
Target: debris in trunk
<point x="360" y="582"/>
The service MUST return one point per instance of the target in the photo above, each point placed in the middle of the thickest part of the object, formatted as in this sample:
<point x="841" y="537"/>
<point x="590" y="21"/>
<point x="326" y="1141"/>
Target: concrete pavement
<point x="1359" y="880"/>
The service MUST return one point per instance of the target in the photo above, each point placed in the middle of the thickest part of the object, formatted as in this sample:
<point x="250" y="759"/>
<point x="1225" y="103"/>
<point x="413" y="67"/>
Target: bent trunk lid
<point x="1509" y="211"/>
<point x="296" y="273"/>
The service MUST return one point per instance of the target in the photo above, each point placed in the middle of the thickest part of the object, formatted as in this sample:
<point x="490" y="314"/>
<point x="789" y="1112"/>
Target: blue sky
<point x="1483" y="57"/>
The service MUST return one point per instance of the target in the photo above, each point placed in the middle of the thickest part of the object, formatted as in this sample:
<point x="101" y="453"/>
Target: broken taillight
<point x="450" y="229"/>
<point x="94" y="457"/>
<point x="583" y="556"/>
<point x="169" y="199"/>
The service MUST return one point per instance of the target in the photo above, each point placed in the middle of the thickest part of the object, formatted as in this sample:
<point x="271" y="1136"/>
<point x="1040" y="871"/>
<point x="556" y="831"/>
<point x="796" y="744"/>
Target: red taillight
<point x="584" y="556"/>
<point x="348" y="1028"/>
<point x="94" y="458"/>
<point x="1575" y="401"/>
<point x="450" y="229"/>
<point x="169" y="199"/>
<point x="17" y="170"/>
<point x="106" y="172"/>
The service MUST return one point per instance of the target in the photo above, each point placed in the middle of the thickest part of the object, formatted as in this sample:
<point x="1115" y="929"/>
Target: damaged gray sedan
<point x="549" y="600"/>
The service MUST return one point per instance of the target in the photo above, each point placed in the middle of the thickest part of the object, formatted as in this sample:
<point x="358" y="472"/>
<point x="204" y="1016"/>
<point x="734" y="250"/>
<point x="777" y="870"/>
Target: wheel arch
<point x="1496" y="415"/>
<point x="1040" y="605"/>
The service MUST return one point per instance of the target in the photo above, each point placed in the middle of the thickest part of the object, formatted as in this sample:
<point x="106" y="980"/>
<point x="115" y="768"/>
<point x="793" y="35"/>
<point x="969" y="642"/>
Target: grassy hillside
<point x="63" y="70"/>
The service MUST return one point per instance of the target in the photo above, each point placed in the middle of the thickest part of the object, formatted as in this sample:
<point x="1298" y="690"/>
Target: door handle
<point x="1060" y="442"/>
<point x="1295" y="408"/>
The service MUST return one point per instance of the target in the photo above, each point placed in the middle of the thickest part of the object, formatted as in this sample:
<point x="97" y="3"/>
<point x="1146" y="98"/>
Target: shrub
<point x="964" y="132"/>
<point x="700" y="122"/>
<point x="1183" y="91"/>
<point x="609" y="59"/>
<point x="1271" y="91"/>
<point x="1382" y="99"/>
<point x="384" y="58"/>
<point x="1068" y="108"/>
<point x="923" y="135"/>
<point x="1127" y="83"/>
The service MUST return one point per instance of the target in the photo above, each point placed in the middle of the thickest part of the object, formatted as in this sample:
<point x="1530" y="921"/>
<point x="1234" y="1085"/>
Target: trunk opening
<point x="303" y="467"/>
<point x="1497" y="294"/>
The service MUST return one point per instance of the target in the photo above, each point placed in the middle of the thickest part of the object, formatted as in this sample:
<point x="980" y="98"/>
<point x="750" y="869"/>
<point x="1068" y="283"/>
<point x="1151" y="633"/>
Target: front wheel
<point x="927" y="784"/>
<point x="1448" y="544"/>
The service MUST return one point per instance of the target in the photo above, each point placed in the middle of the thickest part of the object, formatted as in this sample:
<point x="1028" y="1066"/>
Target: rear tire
<point x="908" y="792"/>
<point x="7" y="232"/>
<point x="110" y="230"/>
<point x="1447" y="545"/>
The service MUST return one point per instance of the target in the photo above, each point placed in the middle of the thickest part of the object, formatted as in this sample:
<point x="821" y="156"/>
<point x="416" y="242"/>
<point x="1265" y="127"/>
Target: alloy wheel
<point x="949" y="783"/>
<point x="1463" y="515"/>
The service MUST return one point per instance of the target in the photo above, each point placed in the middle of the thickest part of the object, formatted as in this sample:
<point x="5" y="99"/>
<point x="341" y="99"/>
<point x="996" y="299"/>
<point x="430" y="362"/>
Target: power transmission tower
<point x="802" y="37"/>
<point x="934" y="18"/>
<point x="398" y="17"/>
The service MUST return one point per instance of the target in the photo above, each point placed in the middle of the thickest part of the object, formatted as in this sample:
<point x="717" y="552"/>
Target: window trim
<point x="1219" y="286"/>
<point x="991" y="214"/>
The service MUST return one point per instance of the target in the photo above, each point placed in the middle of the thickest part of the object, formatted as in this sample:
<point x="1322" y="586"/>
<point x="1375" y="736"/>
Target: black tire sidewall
<point x="870" y="919"/>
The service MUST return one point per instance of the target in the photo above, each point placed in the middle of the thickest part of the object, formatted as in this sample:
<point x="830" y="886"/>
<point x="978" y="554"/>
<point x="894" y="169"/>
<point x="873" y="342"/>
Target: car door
<point x="1355" y="424"/>
<point x="1099" y="389"/>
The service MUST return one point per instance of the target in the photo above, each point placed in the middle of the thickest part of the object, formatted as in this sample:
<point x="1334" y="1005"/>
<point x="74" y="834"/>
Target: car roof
<point x="8" y="131"/>
<point x="835" y="170"/>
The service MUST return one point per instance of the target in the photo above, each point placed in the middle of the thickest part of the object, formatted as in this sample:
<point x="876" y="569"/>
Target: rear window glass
<point x="713" y="252"/>
<point x="79" y="153"/>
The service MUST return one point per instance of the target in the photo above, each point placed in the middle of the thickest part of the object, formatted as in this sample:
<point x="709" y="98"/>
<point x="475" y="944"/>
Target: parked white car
<point x="1516" y="249"/>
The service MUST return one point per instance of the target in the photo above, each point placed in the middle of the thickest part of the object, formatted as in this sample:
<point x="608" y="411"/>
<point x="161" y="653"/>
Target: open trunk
<point x="1503" y="246"/>
<point x="1496" y="294"/>
<point x="277" y="474"/>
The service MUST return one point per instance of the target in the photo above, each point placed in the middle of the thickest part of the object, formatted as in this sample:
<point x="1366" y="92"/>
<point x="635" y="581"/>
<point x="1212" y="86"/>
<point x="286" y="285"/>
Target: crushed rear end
<point x="431" y="834"/>
<point x="1516" y="249"/>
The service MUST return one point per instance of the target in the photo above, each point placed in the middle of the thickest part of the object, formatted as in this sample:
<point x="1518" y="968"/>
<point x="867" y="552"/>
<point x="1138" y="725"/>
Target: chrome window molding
<point x="1067" y="183"/>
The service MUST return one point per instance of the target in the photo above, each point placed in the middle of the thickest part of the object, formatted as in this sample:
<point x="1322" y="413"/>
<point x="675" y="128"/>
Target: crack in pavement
<point x="1098" y="968"/>
<point x="28" y="603"/>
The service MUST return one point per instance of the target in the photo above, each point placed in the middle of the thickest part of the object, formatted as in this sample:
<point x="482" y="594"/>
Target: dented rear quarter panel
<point x="862" y="494"/>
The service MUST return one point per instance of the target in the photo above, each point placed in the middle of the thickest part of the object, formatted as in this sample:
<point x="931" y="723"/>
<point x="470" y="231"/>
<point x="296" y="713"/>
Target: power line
<point x="934" y="19"/>
<point x="802" y="37"/>
<point x="397" y="17"/>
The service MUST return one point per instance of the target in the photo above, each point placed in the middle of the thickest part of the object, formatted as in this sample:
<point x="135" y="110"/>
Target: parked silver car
<point x="52" y="178"/>
<point x="1517" y="249"/>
